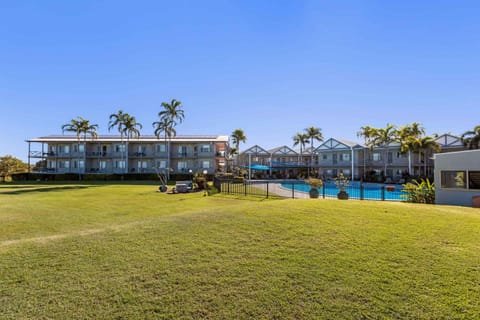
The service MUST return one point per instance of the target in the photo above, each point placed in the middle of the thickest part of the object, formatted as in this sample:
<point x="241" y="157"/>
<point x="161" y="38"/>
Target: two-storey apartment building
<point x="114" y="155"/>
<point x="354" y="160"/>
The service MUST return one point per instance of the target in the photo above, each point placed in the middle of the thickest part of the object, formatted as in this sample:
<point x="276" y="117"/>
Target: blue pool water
<point x="371" y="191"/>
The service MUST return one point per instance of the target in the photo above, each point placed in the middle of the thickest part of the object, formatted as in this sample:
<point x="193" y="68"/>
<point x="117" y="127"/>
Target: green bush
<point x="419" y="192"/>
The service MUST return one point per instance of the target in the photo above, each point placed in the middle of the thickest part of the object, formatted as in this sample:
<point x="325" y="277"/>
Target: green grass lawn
<point x="125" y="251"/>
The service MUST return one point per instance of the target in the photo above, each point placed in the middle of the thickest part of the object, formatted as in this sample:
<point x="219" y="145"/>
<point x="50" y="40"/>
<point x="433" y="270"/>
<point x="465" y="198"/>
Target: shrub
<point x="419" y="192"/>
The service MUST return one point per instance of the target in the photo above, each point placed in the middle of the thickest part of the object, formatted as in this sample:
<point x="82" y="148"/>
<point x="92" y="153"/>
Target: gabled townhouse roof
<point x="146" y="138"/>
<point x="283" y="150"/>
<point x="448" y="140"/>
<point x="339" y="144"/>
<point x="256" y="150"/>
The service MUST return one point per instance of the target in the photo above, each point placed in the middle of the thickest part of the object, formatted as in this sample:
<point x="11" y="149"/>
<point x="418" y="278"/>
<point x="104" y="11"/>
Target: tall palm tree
<point x="118" y="120"/>
<point x="425" y="145"/>
<point x="130" y="127"/>
<point x="172" y="111"/>
<point x="171" y="115"/>
<point x="300" y="139"/>
<point x="238" y="136"/>
<point x="379" y="137"/>
<point x="166" y="126"/>
<point x="81" y="127"/>
<point x="313" y="133"/>
<point x="127" y="127"/>
<point x="471" y="139"/>
<point x="405" y="136"/>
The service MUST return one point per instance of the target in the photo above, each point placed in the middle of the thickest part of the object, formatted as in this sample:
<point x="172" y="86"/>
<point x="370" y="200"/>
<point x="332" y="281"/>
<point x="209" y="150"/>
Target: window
<point x="64" y="164"/>
<point x="161" y="164"/>
<point x="102" y="164"/>
<point x="52" y="164"/>
<point x="453" y="179"/>
<point x="78" y="164"/>
<point x="160" y="147"/>
<point x="376" y="156"/>
<point x="347" y="172"/>
<point x="120" y="164"/>
<point x="182" y="165"/>
<point x="474" y="179"/>
<point x="64" y="149"/>
<point x="324" y="157"/>
<point x="401" y="155"/>
<point x="205" y="148"/>
<point x="206" y="164"/>
<point x="142" y="165"/>
<point x="78" y="148"/>
<point x="119" y="148"/>
<point x="345" y="157"/>
<point x="182" y="150"/>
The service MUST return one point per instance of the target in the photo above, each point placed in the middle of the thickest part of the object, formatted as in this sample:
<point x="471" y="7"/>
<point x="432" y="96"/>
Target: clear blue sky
<point x="271" y="68"/>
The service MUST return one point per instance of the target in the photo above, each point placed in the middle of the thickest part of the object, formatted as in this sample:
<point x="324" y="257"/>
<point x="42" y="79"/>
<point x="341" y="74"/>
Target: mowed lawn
<point x="123" y="251"/>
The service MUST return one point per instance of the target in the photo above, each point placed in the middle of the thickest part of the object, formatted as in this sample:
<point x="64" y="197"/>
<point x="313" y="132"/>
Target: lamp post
<point x="190" y="172"/>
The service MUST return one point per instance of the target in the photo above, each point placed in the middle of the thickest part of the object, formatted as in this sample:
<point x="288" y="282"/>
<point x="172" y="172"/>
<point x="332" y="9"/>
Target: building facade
<point x="354" y="160"/>
<point x="113" y="155"/>
<point x="457" y="178"/>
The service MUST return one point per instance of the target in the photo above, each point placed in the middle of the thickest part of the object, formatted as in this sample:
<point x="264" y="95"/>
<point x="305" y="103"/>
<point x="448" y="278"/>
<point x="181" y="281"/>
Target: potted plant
<point x="314" y="185"/>
<point x="341" y="182"/>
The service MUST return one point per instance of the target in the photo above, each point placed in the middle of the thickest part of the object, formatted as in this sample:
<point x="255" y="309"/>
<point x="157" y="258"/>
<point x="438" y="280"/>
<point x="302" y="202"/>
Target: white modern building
<point x="457" y="177"/>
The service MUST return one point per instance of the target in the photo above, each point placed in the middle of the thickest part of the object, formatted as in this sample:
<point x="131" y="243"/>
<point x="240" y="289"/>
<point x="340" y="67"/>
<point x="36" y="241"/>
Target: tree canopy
<point x="10" y="165"/>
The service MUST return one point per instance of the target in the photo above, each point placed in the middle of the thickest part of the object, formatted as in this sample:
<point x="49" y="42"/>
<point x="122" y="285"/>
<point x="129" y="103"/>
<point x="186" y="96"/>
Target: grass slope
<point x="128" y="252"/>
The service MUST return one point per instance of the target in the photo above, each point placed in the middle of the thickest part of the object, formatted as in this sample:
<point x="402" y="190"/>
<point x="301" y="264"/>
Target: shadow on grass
<point x="43" y="189"/>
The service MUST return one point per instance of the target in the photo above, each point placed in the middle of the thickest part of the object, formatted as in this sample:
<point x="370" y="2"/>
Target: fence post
<point x="323" y="191"/>
<point x="361" y="191"/>
<point x="228" y="187"/>
<point x="267" y="189"/>
<point x="245" y="188"/>
<point x="293" y="190"/>
<point x="383" y="193"/>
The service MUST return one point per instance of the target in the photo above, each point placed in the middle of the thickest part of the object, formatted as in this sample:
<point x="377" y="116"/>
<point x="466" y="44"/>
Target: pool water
<point x="371" y="191"/>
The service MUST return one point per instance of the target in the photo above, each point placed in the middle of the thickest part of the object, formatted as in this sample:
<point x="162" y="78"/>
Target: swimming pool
<point x="355" y="190"/>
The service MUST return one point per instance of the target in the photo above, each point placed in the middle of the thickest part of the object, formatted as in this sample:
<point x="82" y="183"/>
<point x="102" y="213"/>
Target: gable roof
<point x="256" y="150"/>
<point x="448" y="140"/>
<point x="283" y="150"/>
<point x="338" y="144"/>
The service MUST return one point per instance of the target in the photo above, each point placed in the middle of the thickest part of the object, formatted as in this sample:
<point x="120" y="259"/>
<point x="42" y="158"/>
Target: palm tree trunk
<point x="409" y="163"/>
<point x="425" y="163"/>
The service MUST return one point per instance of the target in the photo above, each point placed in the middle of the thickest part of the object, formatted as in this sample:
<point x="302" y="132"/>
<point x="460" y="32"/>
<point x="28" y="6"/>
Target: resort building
<point x="457" y="178"/>
<point x="113" y="155"/>
<point x="354" y="160"/>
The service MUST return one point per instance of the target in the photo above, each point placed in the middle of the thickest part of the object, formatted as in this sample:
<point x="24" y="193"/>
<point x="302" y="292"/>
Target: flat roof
<point x="117" y="138"/>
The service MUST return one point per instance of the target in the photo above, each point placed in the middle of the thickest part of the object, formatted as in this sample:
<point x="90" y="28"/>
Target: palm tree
<point x="313" y="133"/>
<point x="405" y="136"/>
<point x="130" y="127"/>
<point x="166" y="126"/>
<point x="379" y="137"/>
<point x="300" y="139"/>
<point x="118" y="120"/>
<point x="471" y="139"/>
<point x="127" y="126"/>
<point x="238" y="136"/>
<point x="425" y="145"/>
<point x="172" y="113"/>
<point x="81" y="127"/>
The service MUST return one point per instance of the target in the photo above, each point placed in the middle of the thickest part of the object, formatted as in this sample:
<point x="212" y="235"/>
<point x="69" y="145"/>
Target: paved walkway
<point x="276" y="188"/>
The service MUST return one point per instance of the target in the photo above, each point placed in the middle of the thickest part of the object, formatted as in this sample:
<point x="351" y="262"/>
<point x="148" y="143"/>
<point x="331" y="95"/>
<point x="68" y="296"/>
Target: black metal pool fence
<point x="297" y="189"/>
